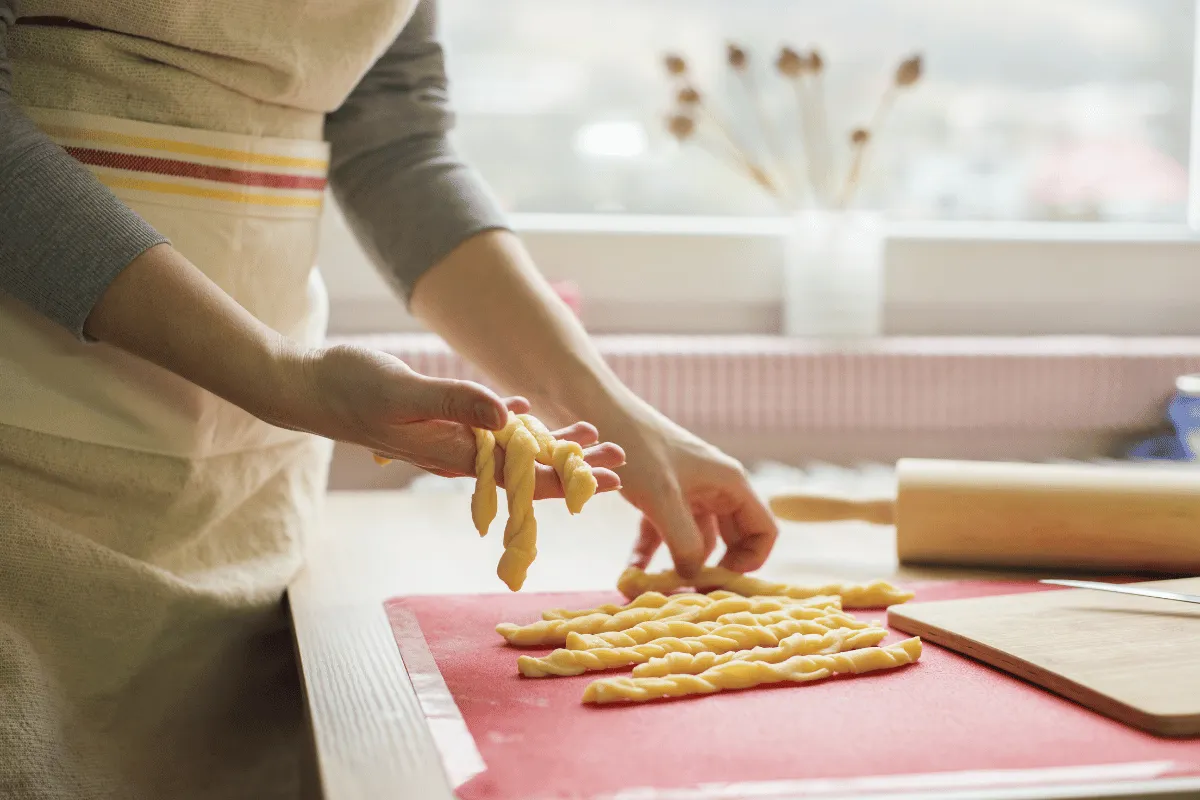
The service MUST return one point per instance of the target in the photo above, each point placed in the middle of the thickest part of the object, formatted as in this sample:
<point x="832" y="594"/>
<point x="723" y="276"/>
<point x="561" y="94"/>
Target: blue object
<point x="1184" y="414"/>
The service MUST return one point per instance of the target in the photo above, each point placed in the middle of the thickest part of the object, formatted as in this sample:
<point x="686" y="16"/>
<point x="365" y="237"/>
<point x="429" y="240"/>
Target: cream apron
<point x="148" y="529"/>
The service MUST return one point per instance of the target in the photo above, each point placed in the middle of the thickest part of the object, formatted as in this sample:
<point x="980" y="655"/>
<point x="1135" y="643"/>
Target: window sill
<point x="687" y="275"/>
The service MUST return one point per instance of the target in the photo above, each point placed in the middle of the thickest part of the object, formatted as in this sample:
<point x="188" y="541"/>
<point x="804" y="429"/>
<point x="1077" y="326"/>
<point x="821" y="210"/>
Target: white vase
<point x="833" y="275"/>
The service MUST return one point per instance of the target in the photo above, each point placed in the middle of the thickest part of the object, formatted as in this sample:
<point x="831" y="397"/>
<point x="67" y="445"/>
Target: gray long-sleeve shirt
<point x="407" y="196"/>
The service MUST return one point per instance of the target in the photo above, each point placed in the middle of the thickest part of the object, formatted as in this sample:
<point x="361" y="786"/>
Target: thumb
<point x="465" y="402"/>
<point x="677" y="526"/>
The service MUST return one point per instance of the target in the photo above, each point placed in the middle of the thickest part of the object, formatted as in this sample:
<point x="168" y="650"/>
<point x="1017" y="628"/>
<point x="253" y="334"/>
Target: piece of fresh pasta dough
<point x="647" y="600"/>
<point x="526" y="442"/>
<point x="520" y="473"/>
<point x="640" y="634"/>
<point x="483" y="500"/>
<point x="719" y="640"/>
<point x="657" y="600"/>
<point x="578" y="482"/>
<point x="806" y="621"/>
<point x="877" y="594"/>
<point x="553" y="632"/>
<point x="738" y="674"/>
<point x="722" y="611"/>
<point x="837" y="640"/>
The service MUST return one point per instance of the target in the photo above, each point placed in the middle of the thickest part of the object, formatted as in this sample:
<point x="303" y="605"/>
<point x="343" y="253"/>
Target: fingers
<point x="707" y="524"/>
<point x="582" y="433"/>
<point x="547" y="485"/>
<point x="674" y="521"/>
<point x="607" y="455"/>
<point x="518" y="404"/>
<point x="648" y="540"/>
<point x="646" y="545"/>
<point x="602" y="459"/>
<point x="749" y="533"/>
<point x="427" y="398"/>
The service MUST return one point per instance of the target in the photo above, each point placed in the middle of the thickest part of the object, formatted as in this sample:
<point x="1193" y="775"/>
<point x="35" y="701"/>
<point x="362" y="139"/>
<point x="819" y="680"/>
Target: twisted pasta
<point x="646" y="600"/>
<point x="483" y="500"/>
<point x="630" y="637"/>
<point x="554" y="631"/>
<point x="837" y="640"/>
<point x="826" y="615"/>
<point x="877" y="594"/>
<point x="520" y="533"/>
<point x="719" y="640"/>
<point x="737" y="674"/>
<point x="578" y="482"/>
<point x="657" y="599"/>
<point x="713" y="612"/>
<point x="639" y="634"/>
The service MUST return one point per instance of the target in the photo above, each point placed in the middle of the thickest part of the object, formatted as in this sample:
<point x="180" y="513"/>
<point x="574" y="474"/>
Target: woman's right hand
<point x="369" y="398"/>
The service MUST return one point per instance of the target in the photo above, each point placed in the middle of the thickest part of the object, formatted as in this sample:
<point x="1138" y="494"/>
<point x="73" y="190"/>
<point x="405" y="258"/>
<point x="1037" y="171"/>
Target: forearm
<point x="163" y="309"/>
<point x="489" y="302"/>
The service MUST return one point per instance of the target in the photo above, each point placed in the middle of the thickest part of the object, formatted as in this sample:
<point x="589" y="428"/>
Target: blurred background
<point x="1028" y="110"/>
<point x="1039" y="273"/>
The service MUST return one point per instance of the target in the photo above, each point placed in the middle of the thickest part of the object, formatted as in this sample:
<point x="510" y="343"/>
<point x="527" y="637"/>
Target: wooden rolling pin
<point x="1049" y="516"/>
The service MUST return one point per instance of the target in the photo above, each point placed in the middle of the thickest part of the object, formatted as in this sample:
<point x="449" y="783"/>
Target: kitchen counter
<point x="371" y="735"/>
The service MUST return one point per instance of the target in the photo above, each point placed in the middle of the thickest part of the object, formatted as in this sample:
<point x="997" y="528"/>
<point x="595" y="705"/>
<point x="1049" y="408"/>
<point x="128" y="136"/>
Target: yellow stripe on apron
<point x="148" y="529"/>
<point x="243" y="209"/>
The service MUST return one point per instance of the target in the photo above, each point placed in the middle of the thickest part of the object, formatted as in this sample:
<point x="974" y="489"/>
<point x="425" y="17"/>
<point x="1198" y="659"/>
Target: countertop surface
<point x="371" y="734"/>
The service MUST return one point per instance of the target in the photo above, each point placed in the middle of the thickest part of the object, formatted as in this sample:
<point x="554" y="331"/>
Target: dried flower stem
<point x="736" y="160"/>
<point x="756" y="172"/>
<point x="908" y="73"/>
<point x="820" y="133"/>
<point x="807" y="157"/>
<point x="854" y="174"/>
<point x="774" y="150"/>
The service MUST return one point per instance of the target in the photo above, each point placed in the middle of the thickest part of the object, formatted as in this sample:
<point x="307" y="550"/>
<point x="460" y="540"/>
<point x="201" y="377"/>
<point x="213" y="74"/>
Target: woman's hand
<point x="690" y="494"/>
<point x="366" y="397"/>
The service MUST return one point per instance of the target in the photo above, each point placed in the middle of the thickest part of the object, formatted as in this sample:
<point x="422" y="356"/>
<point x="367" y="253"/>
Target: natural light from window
<point x="1027" y="110"/>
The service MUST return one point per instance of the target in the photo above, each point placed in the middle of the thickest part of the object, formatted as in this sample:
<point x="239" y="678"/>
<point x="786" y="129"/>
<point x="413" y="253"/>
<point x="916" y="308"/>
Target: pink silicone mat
<point x="945" y="722"/>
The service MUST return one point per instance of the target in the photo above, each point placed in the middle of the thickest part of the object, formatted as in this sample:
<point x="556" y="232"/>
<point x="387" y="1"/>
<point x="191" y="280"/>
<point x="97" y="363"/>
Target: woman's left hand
<point x="690" y="494"/>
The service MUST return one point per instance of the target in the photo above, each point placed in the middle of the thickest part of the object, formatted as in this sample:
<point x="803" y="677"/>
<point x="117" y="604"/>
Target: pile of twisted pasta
<point x="744" y="633"/>
<point x="526" y="442"/>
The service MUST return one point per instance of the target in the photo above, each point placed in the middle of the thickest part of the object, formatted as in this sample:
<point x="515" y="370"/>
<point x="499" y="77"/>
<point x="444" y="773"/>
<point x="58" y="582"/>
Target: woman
<point x="167" y="407"/>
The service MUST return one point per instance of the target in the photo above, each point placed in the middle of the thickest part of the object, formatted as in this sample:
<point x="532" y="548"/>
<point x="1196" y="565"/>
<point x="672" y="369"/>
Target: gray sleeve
<point x="407" y="196"/>
<point x="63" y="236"/>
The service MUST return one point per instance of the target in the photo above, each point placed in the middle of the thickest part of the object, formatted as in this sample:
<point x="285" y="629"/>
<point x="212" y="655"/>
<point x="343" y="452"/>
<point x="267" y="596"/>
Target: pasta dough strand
<point x="723" y="613"/>
<point x="639" y="634"/>
<point x="725" y="638"/>
<point x="578" y="482"/>
<point x="483" y="500"/>
<point x="837" y="640"/>
<point x="738" y="674"/>
<point x="554" y="631"/>
<point x="646" y="600"/>
<point x="877" y="594"/>
<point x="520" y="473"/>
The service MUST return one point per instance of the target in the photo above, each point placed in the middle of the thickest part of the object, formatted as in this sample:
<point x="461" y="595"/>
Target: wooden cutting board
<point x="1135" y="659"/>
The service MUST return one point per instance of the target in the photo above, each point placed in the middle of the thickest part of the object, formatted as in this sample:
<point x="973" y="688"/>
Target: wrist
<point x="593" y="393"/>
<point x="277" y="385"/>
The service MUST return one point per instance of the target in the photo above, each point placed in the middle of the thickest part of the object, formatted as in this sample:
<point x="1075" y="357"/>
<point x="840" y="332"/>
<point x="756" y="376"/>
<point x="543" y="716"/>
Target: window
<point x="1028" y="110"/>
<point x="1037" y="177"/>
